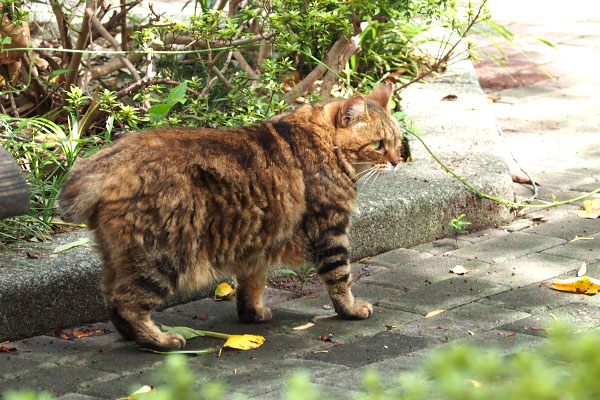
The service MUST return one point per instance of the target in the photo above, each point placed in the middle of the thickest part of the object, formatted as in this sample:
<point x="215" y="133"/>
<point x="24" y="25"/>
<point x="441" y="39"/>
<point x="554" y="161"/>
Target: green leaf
<point x="159" y="111"/>
<point x="288" y="271"/>
<point x="186" y="332"/>
<point x="68" y="246"/>
<point x="190" y="352"/>
<point x="57" y="72"/>
<point x="177" y="94"/>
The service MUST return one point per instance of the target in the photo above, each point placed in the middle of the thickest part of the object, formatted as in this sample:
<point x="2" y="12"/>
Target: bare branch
<point x="331" y="78"/>
<point x="244" y="64"/>
<point x="106" y="35"/>
<point x="82" y="40"/>
<point x="62" y="28"/>
<point x="334" y="53"/>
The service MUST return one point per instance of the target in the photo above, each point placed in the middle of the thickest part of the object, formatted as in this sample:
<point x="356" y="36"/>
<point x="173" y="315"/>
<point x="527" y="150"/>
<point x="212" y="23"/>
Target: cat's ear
<point x="382" y="94"/>
<point x="351" y="110"/>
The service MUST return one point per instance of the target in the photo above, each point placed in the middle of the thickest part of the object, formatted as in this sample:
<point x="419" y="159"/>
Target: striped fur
<point x="172" y="209"/>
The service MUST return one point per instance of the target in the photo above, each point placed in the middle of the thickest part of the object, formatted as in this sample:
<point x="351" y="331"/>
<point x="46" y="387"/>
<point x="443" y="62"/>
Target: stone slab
<point x="446" y="294"/>
<point x="507" y="247"/>
<point x="588" y="250"/>
<point x="376" y="348"/>
<point x="526" y="270"/>
<point x="468" y="320"/>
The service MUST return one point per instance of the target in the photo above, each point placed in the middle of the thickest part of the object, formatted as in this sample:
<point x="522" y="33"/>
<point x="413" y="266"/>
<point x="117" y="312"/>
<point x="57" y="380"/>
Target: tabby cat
<point x="173" y="209"/>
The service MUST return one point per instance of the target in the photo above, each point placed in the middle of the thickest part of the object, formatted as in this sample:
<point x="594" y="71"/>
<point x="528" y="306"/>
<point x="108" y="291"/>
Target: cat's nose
<point x="397" y="161"/>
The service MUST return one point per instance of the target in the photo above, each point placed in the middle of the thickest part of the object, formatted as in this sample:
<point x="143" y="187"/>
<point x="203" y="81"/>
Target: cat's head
<point x="367" y="133"/>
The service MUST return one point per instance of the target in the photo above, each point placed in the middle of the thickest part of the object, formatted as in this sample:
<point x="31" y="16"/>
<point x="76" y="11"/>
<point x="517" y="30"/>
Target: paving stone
<point x="388" y="372"/>
<point x="484" y="235"/>
<point x="396" y="257"/>
<point x="579" y="317"/>
<point x="441" y="246"/>
<point x="347" y="331"/>
<point x="532" y="299"/>
<point x="525" y="270"/>
<point x="446" y="294"/>
<point x="59" y="351"/>
<point x="123" y="386"/>
<point x="423" y="273"/>
<point x="470" y="319"/>
<point x="502" y="341"/>
<point x="507" y="247"/>
<point x="259" y="379"/>
<point x="588" y="250"/>
<point x="13" y="365"/>
<point x="53" y="379"/>
<point x="76" y="396"/>
<point x="567" y="228"/>
<point x="379" y="347"/>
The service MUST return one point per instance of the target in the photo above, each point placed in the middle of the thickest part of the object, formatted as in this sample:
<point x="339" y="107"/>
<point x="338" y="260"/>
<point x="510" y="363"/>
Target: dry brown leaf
<point x="302" y="327"/>
<point x="320" y="317"/>
<point x="450" y="97"/>
<point x="434" y="313"/>
<point x="458" y="270"/>
<point x="5" y="348"/>
<point x="582" y="285"/>
<point x="79" y="334"/>
<point x="510" y="334"/>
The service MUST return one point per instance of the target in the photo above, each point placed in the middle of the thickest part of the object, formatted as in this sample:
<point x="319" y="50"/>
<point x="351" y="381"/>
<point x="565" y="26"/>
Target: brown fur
<point x="173" y="208"/>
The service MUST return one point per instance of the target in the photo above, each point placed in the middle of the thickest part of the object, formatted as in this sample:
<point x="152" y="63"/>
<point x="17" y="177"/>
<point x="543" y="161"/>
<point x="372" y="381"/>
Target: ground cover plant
<point x="69" y="87"/>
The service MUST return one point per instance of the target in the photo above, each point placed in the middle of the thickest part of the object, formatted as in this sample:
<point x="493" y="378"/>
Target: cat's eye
<point x="377" y="144"/>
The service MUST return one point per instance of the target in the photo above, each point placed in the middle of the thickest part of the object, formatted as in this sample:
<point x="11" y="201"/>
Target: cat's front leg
<point x="249" y="294"/>
<point x="333" y="267"/>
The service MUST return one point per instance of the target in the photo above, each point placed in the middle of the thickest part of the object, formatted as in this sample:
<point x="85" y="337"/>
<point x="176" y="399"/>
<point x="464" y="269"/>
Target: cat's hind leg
<point x="131" y="299"/>
<point x="249" y="295"/>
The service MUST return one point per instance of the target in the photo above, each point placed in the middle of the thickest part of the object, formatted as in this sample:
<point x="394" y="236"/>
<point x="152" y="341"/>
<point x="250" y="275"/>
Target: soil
<point x="293" y="284"/>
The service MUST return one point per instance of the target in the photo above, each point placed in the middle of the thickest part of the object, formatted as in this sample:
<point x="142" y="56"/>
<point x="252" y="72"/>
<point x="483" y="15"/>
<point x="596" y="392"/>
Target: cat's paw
<point x="167" y="341"/>
<point x="359" y="310"/>
<point x="256" y="316"/>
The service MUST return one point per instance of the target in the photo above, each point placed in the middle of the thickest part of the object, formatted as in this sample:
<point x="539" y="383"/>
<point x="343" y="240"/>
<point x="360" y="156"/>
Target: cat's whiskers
<point x="366" y="177"/>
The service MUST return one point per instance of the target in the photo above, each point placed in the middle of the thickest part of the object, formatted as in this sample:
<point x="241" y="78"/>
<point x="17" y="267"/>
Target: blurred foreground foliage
<point x="565" y="367"/>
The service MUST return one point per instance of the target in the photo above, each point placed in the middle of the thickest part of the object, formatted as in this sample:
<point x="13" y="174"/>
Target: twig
<point x="80" y="45"/>
<point x="145" y="81"/>
<point x="106" y="35"/>
<point x="448" y="54"/>
<point x="221" y="77"/>
<point x="244" y="64"/>
<point x="45" y="56"/>
<point x="305" y="84"/>
<point x="62" y="28"/>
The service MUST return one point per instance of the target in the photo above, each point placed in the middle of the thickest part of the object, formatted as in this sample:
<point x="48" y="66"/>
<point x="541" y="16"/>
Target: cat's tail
<point x="80" y="195"/>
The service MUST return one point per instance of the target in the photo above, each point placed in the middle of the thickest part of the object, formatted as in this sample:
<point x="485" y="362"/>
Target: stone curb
<point x="41" y="290"/>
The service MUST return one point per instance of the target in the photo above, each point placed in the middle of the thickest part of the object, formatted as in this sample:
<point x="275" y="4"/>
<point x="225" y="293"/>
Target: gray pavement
<point x="549" y="125"/>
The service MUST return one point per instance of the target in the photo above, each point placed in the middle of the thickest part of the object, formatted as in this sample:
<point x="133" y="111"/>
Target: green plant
<point x="304" y="272"/>
<point x="455" y="227"/>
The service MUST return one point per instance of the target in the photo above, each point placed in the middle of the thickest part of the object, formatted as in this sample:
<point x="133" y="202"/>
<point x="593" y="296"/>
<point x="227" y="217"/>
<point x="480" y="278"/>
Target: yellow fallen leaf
<point x="302" y="327"/>
<point x="224" y="292"/>
<point x="582" y="270"/>
<point x="433" y="313"/>
<point x="244" y="342"/>
<point x="584" y="285"/>
<point x="591" y="209"/>
<point x="140" y="393"/>
<point x="476" y="384"/>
